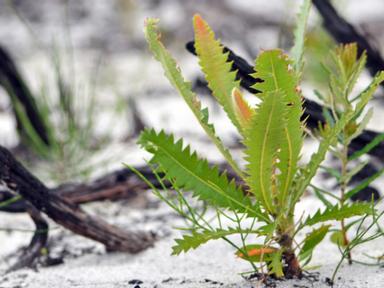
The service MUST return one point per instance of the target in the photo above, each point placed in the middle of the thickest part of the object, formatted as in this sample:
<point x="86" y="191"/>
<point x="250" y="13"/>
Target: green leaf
<point x="367" y="94"/>
<point x="361" y="126"/>
<point x="262" y="143"/>
<point x="332" y="171"/>
<point x="32" y="136"/>
<point x="10" y="201"/>
<point x="338" y="238"/>
<point x="319" y="194"/>
<point x="345" y="69"/>
<point x="364" y="184"/>
<point x="173" y="73"/>
<point x="338" y="213"/>
<point x="196" y="239"/>
<point x="267" y="230"/>
<point x="273" y="67"/>
<point x="356" y="169"/>
<point x="299" y="35"/>
<point x="311" y="241"/>
<point x="276" y="265"/>
<point x="217" y="69"/>
<point x="191" y="173"/>
<point x="376" y="141"/>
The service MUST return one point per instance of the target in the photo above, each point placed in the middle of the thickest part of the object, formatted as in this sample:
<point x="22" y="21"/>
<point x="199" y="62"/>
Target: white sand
<point x="88" y="266"/>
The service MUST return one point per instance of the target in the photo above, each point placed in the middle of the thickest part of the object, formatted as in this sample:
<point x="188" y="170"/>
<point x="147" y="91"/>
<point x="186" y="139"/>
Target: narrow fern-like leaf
<point x="262" y="144"/>
<point x="173" y="73"/>
<point x="309" y="172"/>
<point x="367" y="94"/>
<point x="213" y="62"/>
<point x="188" y="172"/>
<point x="297" y="51"/>
<point x="339" y="213"/>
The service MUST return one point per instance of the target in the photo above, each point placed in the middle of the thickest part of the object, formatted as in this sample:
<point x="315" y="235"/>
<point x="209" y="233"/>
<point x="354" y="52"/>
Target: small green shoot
<point x="344" y="70"/>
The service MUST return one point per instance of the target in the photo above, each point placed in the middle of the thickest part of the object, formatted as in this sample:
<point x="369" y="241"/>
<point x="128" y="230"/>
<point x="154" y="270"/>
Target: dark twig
<point x="138" y="123"/>
<point x="18" y="179"/>
<point x="38" y="241"/>
<point x="120" y="184"/>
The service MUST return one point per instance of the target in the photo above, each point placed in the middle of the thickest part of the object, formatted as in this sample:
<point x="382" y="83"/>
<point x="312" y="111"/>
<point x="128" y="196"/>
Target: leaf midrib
<point x="289" y="172"/>
<point x="209" y="183"/>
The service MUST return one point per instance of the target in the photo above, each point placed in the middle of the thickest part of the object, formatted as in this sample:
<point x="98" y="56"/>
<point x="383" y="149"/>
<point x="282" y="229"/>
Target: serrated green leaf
<point x="299" y="35"/>
<point x="273" y="67"/>
<point x="214" y="63"/>
<point x="276" y="264"/>
<point x="339" y="213"/>
<point x="262" y="143"/>
<point x="196" y="239"/>
<point x="191" y="173"/>
<point x="311" y="241"/>
<point x="173" y="73"/>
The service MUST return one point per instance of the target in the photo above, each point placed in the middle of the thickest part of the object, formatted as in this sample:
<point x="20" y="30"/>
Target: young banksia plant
<point x="256" y="217"/>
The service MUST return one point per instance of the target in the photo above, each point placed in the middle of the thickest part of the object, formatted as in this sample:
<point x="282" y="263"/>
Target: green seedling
<point x="255" y="215"/>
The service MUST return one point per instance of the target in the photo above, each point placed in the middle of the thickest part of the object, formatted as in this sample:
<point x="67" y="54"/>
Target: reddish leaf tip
<point x="199" y="22"/>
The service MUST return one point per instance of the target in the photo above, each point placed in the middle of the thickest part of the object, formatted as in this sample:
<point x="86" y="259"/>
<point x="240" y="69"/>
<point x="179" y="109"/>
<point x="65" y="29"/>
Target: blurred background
<point x="87" y="66"/>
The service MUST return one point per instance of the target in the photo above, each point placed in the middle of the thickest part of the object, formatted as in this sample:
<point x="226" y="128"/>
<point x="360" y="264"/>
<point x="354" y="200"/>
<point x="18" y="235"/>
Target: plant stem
<point x="343" y="188"/>
<point x="292" y="267"/>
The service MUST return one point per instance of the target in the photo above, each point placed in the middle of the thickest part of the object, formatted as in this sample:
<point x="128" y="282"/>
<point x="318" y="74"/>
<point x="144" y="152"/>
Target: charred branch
<point x="65" y="213"/>
<point x="38" y="241"/>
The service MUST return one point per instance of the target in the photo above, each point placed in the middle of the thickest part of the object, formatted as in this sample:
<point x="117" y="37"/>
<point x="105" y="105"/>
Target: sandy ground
<point x="212" y="265"/>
